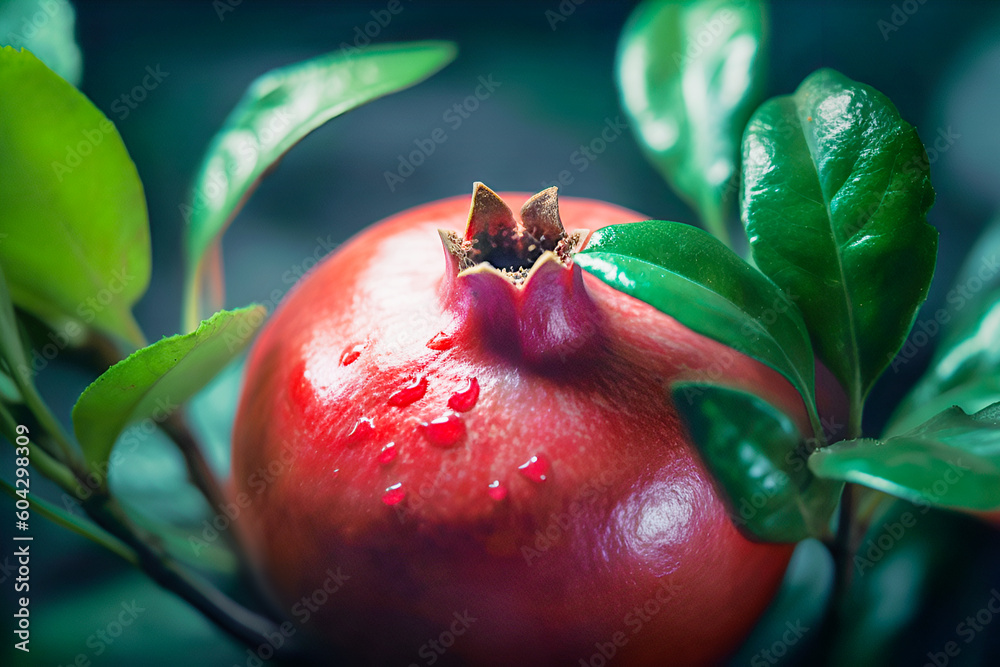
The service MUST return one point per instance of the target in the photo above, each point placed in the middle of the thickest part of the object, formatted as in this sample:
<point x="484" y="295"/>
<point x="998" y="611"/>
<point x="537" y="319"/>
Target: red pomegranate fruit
<point x="479" y="459"/>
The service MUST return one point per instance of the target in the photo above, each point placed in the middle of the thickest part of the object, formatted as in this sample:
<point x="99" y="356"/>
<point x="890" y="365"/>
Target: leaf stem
<point x="76" y="525"/>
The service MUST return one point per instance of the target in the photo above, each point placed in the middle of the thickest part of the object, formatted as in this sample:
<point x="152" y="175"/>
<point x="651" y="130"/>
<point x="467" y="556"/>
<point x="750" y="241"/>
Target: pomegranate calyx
<point x="495" y="238"/>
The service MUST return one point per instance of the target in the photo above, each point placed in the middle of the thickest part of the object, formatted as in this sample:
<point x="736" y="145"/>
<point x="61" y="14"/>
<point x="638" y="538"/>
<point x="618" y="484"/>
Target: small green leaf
<point x="277" y="111"/>
<point x="154" y="381"/>
<point x="74" y="238"/>
<point x="758" y="457"/>
<point x="952" y="460"/>
<point x="835" y="197"/>
<point x="693" y="277"/>
<point x="965" y="370"/>
<point x="689" y="73"/>
<point x="46" y="29"/>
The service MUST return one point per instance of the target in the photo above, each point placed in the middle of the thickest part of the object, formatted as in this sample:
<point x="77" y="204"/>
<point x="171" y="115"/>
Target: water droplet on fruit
<point x="394" y="494"/>
<point x="388" y="453"/>
<point x="497" y="490"/>
<point x="465" y="398"/>
<point x="363" y="430"/>
<point x="351" y="355"/>
<point x="409" y="393"/>
<point x="445" y="431"/>
<point x="440" y="341"/>
<point x="536" y="468"/>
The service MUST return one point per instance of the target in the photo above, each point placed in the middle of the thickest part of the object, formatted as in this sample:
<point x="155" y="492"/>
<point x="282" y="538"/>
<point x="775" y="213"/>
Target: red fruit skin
<point x="625" y="546"/>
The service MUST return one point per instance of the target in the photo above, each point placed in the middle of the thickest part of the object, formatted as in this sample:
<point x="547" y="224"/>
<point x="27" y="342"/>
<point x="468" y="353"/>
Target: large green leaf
<point x="72" y="209"/>
<point x="835" y="195"/>
<point x="758" y="457"/>
<point x="44" y="27"/>
<point x="952" y="460"/>
<point x="277" y="111"/>
<point x="689" y="73"/>
<point x="693" y="277"/>
<point x="155" y="380"/>
<point x="965" y="370"/>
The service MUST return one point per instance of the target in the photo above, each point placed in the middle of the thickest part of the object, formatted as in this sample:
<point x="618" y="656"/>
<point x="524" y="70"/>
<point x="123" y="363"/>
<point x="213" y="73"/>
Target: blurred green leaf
<point x="689" y="73"/>
<point x="155" y="380"/>
<point x="46" y="28"/>
<point x="277" y="111"/>
<point x="835" y="196"/>
<point x="952" y="461"/>
<point x="758" y="456"/>
<point x="965" y="370"/>
<point x="11" y="350"/>
<point x="693" y="277"/>
<point x="74" y="238"/>
<point x="799" y="605"/>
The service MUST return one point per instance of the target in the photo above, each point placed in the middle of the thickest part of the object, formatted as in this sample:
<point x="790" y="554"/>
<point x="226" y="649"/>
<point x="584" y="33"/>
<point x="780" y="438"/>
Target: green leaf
<point x="835" y="195"/>
<point x="690" y="73"/>
<point x="758" y="457"/>
<point x="965" y="370"/>
<point x="74" y="238"/>
<point x="154" y="381"/>
<point x="802" y="599"/>
<point x="952" y="460"/>
<point x="693" y="277"/>
<point x="46" y="29"/>
<point x="11" y="349"/>
<point x="277" y="111"/>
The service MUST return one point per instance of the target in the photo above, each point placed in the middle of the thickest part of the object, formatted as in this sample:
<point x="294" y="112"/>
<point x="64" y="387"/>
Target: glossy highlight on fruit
<point x="538" y="478"/>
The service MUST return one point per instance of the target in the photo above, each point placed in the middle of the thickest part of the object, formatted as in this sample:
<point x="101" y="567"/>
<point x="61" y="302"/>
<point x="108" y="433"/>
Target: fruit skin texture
<point x="623" y="548"/>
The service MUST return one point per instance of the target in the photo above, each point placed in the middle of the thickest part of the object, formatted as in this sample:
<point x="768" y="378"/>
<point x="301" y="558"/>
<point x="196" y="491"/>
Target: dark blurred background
<point x="556" y="91"/>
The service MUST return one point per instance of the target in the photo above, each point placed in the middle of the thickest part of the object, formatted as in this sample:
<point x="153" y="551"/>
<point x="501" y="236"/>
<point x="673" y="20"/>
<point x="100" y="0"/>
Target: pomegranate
<point x="474" y="456"/>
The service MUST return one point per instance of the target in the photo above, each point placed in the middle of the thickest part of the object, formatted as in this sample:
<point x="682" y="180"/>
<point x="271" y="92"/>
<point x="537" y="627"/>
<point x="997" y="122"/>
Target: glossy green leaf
<point x="693" y="277"/>
<point x="835" y="195"/>
<point x="758" y="457"/>
<point x="74" y="238"/>
<point x="155" y="380"/>
<point x="690" y="73"/>
<point x="46" y="28"/>
<point x="277" y="111"/>
<point x="965" y="370"/>
<point x="952" y="460"/>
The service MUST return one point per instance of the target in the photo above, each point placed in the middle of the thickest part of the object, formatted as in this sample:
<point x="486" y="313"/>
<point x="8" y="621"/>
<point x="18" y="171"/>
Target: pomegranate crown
<point x="494" y="237"/>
